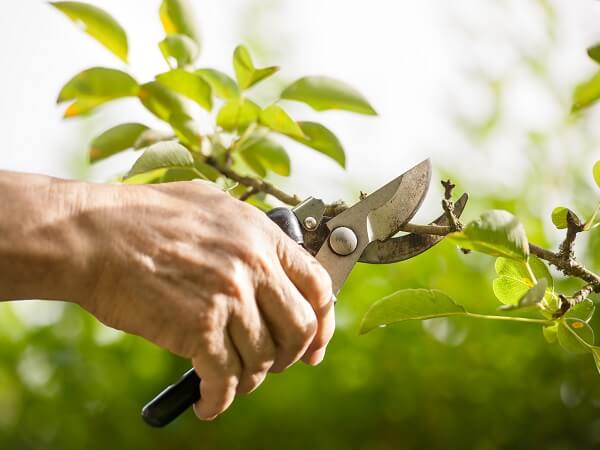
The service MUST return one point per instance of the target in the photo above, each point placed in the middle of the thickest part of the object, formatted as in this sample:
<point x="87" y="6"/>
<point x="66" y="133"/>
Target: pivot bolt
<point x="310" y="223"/>
<point x="343" y="241"/>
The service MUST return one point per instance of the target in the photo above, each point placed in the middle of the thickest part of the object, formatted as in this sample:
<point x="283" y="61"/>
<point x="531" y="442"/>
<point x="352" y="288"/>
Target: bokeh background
<point x="483" y="87"/>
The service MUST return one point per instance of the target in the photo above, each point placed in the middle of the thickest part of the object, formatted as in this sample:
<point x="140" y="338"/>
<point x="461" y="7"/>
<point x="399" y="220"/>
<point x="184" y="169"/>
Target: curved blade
<point x="409" y="245"/>
<point x="377" y="217"/>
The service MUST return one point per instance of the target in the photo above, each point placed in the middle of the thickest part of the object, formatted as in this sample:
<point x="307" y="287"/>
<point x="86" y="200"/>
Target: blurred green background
<point x="496" y="120"/>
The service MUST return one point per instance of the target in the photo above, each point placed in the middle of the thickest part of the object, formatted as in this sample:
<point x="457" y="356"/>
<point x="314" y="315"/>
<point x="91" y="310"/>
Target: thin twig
<point x="249" y="193"/>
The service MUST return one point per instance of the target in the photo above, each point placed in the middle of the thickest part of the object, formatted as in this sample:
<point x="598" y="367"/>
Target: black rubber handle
<point x="176" y="398"/>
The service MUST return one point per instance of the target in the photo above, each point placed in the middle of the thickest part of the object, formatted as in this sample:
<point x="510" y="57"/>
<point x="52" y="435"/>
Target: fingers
<point x="254" y="345"/>
<point x="219" y="368"/>
<point x="290" y="319"/>
<point x="314" y="283"/>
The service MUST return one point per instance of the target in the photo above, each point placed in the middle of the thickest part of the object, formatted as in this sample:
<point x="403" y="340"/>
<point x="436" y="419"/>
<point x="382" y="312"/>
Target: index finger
<point x="314" y="283"/>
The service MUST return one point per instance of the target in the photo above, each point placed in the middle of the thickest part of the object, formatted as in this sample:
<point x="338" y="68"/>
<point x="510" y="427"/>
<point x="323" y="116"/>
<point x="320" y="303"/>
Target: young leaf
<point x="98" y="85"/>
<point x="582" y="311"/>
<point x="559" y="217"/>
<point x="596" y="173"/>
<point x="82" y="107"/>
<point x="98" y="24"/>
<point x="189" y="85"/>
<point x="149" y="137"/>
<point x="245" y="72"/>
<point x="180" y="48"/>
<point x="409" y="304"/>
<point x="532" y="296"/>
<point x="497" y="233"/>
<point x="238" y="114"/>
<point x="160" y="101"/>
<point x="586" y="93"/>
<point x="222" y="84"/>
<point x="550" y="332"/>
<point x="115" y="140"/>
<point x="262" y="154"/>
<point x="163" y="155"/>
<point x="186" y="130"/>
<point x="594" y="52"/>
<point x="323" y="140"/>
<point x="575" y="335"/>
<point x="323" y="93"/>
<point x="152" y="177"/>
<point x="177" y="16"/>
<point x="514" y="280"/>
<point x="277" y="119"/>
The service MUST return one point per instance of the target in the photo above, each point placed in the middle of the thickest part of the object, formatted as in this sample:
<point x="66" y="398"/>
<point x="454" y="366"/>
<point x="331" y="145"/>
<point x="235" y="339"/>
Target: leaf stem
<point x="509" y="318"/>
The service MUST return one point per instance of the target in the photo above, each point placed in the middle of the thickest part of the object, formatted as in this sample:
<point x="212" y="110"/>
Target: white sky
<point x="409" y="58"/>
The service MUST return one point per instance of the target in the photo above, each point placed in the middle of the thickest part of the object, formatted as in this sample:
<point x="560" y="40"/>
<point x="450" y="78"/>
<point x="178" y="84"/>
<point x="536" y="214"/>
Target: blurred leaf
<point x="323" y="93"/>
<point x="179" y="47"/>
<point x="152" y="177"/>
<point x="82" y="107"/>
<point x="596" y="172"/>
<point x="177" y="16"/>
<point x="596" y="355"/>
<point x="497" y="233"/>
<point x="238" y="114"/>
<point x="115" y="140"/>
<point x="323" y="140"/>
<point x="582" y="311"/>
<point x="208" y="171"/>
<point x="96" y="86"/>
<point x="532" y="296"/>
<point x="149" y="137"/>
<point x="163" y="155"/>
<point x="222" y="84"/>
<point x="559" y="217"/>
<point x="262" y="154"/>
<point x="161" y="101"/>
<point x="409" y="304"/>
<point x="180" y="174"/>
<point x="575" y="335"/>
<point x="98" y="24"/>
<point x="277" y="119"/>
<point x="186" y="130"/>
<point x="245" y="72"/>
<point x="189" y="85"/>
<point x="586" y="93"/>
<point x="550" y="333"/>
<point x="594" y="52"/>
<point x="590" y="224"/>
<point x="514" y="280"/>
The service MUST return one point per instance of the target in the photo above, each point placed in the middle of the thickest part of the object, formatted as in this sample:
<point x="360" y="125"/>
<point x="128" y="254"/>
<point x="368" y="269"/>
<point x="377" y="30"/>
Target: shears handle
<point x="176" y="398"/>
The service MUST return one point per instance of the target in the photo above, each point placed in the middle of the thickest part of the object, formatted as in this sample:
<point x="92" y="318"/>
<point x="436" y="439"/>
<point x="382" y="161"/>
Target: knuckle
<point x="251" y="381"/>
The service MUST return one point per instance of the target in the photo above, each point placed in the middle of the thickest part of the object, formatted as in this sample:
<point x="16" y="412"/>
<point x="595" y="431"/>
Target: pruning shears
<point x="362" y="233"/>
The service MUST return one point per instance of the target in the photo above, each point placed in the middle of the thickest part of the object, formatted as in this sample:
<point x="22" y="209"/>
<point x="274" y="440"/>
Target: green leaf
<point x="514" y="281"/>
<point x="222" y="84"/>
<point x="532" y="297"/>
<point x="261" y="154"/>
<point x="245" y="72"/>
<point x="189" y="85"/>
<point x="180" y="48"/>
<point x="323" y="140"/>
<point x="550" y="333"/>
<point x="559" y="217"/>
<point x="589" y="223"/>
<point x="161" y="101"/>
<point x="409" y="304"/>
<point x="496" y="233"/>
<point x="586" y="93"/>
<point x="575" y="335"/>
<point x="277" y="119"/>
<point x="323" y="93"/>
<point x="596" y="173"/>
<point x="238" y="114"/>
<point x="152" y="177"/>
<point x="164" y="155"/>
<point x="596" y="355"/>
<point x="186" y="130"/>
<point x="115" y="140"/>
<point x="582" y="311"/>
<point x="177" y="16"/>
<point x="594" y="52"/>
<point x="149" y="137"/>
<point x="98" y="24"/>
<point x="93" y="87"/>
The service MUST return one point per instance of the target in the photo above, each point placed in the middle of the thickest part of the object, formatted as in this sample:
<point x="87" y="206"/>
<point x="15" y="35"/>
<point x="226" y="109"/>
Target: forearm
<point x="44" y="238"/>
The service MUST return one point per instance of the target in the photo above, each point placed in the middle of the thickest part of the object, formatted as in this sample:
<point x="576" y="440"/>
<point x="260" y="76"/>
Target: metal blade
<point x="409" y="245"/>
<point x="377" y="217"/>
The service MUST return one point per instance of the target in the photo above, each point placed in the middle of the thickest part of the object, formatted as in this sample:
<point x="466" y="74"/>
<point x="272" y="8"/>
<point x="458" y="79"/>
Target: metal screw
<point x="343" y="241"/>
<point x="310" y="223"/>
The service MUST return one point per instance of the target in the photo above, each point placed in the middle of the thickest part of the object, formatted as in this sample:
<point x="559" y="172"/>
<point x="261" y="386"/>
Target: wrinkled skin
<point x="184" y="265"/>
